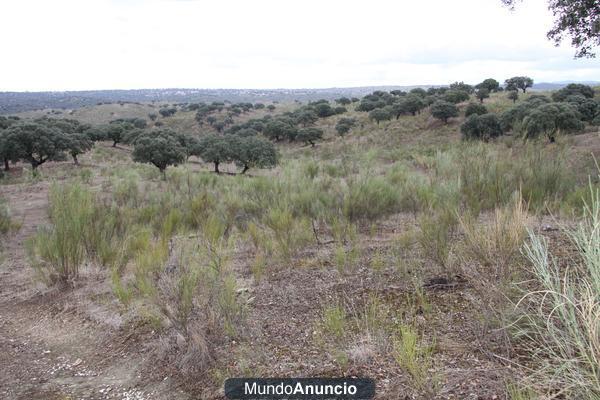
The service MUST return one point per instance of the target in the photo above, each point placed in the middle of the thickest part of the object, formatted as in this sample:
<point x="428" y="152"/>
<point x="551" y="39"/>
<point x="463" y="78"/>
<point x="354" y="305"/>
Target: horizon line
<point x="275" y="89"/>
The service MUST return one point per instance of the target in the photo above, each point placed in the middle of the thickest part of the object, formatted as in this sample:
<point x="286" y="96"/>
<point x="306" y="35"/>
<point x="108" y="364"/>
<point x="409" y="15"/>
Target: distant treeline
<point x="15" y="102"/>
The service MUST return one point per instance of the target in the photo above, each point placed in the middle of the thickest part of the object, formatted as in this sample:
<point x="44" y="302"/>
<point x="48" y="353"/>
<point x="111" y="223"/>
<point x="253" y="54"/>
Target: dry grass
<point x="560" y="319"/>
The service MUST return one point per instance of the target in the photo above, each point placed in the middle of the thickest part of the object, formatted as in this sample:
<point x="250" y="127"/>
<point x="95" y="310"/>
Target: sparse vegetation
<point x="380" y="230"/>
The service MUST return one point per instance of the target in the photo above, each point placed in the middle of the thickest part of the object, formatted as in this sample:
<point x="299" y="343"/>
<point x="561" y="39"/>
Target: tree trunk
<point x="75" y="160"/>
<point x="246" y="168"/>
<point x="6" y="167"/>
<point x="217" y="167"/>
<point x="114" y="144"/>
<point x="311" y="143"/>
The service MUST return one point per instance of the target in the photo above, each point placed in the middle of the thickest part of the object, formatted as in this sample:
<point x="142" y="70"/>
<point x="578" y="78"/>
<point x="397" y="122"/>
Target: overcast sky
<point x="128" y="44"/>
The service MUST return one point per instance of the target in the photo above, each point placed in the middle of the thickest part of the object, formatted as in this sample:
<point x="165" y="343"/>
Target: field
<point x="397" y="251"/>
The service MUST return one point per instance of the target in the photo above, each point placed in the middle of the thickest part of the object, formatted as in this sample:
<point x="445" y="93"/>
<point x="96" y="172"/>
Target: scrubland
<point x="439" y="267"/>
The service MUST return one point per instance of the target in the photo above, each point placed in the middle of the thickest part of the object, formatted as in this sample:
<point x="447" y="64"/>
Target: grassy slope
<point x="290" y="332"/>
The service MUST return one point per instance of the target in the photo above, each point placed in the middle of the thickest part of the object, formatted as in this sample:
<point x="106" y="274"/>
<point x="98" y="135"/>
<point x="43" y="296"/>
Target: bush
<point x="379" y="114"/>
<point x="344" y="125"/>
<point x="475" y="109"/>
<point x="309" y="135"/>
<point x="483" y="127"/>
<point x="482" y="94"/>
<point x="57" y="251"/>
<point x="455" y="96"/>
<point x="549" y="119"/>
<point x="444" y="110"/>
<point x="573" y="89"/>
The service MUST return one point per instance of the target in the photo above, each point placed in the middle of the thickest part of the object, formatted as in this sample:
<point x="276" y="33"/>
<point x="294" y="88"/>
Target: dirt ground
<point x="57" y="345"/>
<point x="80" y="344"/>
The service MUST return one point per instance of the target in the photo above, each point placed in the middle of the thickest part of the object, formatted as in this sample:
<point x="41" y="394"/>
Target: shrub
<point x="309" y="135"/>
<point x="444" y="110"/>
<point x="413" y="103"/>
<point x="483" y="127"/>
<point x="475" y="109"/>
<point x="455" y="96"/>
<point x="379" y="114"/>
<point x="57" y="251"/>
<point x="482" y="93"/>
<point x="550" y="119"/>
<point x="571" y="90"/>
<point x="344" y="125"/>
<point x="167" y="111"/>
<point x="279" y="129"/>
<point x="588" y="108"/>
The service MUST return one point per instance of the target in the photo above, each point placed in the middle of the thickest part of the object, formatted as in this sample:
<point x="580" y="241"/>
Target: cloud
<point x="69" y="44"/>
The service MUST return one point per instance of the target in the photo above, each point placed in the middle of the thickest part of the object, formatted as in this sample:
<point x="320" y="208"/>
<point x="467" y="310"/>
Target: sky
<point x="134" y="44"/>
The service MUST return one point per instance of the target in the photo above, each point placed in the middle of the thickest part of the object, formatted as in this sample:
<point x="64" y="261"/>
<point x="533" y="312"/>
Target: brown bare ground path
<point x="51" y="346"/>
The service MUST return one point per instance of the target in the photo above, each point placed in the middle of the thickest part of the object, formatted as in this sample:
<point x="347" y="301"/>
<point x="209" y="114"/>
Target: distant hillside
<point x="558" y="85"/>
<point x="15" y="102"/>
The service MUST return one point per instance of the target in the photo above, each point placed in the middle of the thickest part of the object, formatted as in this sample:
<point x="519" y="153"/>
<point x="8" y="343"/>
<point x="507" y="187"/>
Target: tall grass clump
<point x="491" y="259"/>
<point x="494" y="246"/>
<point x="5" y="218"/>
<point x="334" y="320"/>
<point x="369" y="198"/>
<point x="560" y="319"/>
<point x="289" y="233"/>
<point x="545" y="178"/>
<point x="486" y="180"/>
<point x="195" y="294"/>
<point x="57" y="251"/>
<point x="415" y="356"/>
<point x="436" y="228"/>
